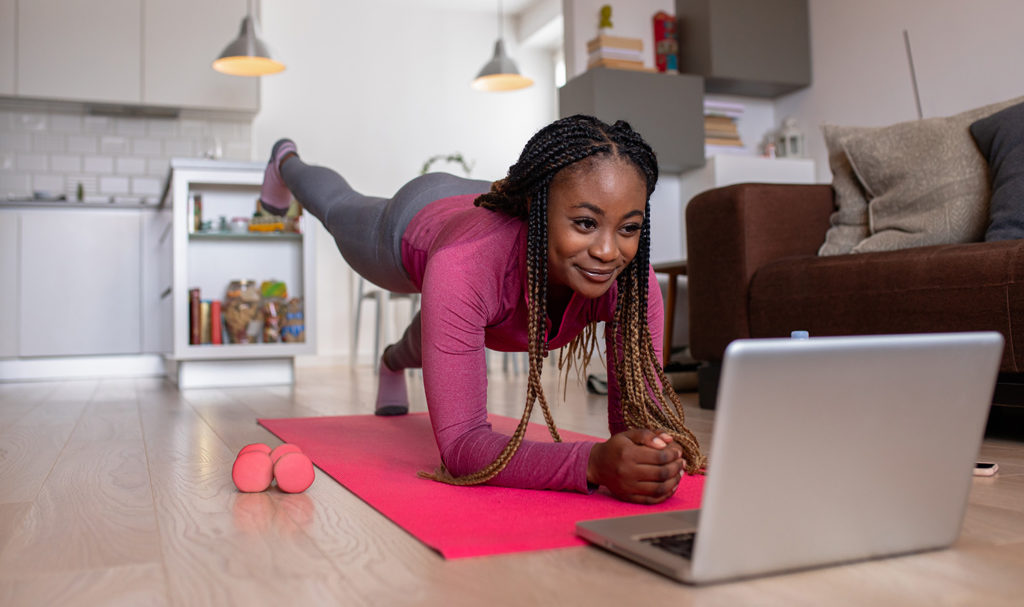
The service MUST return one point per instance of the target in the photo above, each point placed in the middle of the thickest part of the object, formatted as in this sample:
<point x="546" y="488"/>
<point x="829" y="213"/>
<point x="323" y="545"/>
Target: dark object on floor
<point x="597" y="384"/>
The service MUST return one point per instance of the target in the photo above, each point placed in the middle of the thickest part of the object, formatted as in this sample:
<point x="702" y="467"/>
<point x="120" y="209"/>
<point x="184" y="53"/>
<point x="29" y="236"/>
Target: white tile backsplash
<point x="130" y="166"/>
<point x="123" y="158"/>
<point x="65" y="123"/>
<point x="30" y="121"/>
<point x="65" y="163"/>
<point x="114" y="185"/>
<point x="179" y="148"/>
<point x="52" y="185"/>
<point x="162" y="127"/>
<point x="48" y="142"/>
<point x="16" y="142"/>
<point x="110" y="144"/>
<point x="31" y="162"/>
<point x="131" y="127"/>
<point x="83" y="144"/>
<point x="147" y="147"/>
<point x="98" y="164"/>
<point x="98" y="124"/>
<point x="147" y="186"/>
<point x="15" y="184"/>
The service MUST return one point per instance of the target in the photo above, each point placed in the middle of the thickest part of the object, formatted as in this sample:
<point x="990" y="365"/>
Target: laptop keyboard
<point x="678" y="543"/>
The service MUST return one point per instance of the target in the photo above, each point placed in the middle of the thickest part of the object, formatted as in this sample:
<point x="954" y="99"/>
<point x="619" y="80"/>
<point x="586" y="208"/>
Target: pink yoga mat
<point x="377" y="458"/>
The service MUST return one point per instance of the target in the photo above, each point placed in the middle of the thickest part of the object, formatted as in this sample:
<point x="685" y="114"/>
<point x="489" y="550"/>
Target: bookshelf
<point x="211" y="259"/>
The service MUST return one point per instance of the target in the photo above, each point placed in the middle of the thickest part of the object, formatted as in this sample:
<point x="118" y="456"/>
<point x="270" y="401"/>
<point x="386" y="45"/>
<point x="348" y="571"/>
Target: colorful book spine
<point x="204" y="321"/>
<point x="216" y="324"/>
<point x="194" y="335"/>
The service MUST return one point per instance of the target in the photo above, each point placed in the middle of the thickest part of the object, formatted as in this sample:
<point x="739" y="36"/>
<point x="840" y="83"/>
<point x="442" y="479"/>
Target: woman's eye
<point x="586" y="223"/>
<point x="631" y="229"/>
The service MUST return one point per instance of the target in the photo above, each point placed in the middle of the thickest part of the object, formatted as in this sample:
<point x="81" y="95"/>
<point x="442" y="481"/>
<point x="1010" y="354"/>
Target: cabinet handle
<point x="166" y="292"/>
<point x="167" y="231"/>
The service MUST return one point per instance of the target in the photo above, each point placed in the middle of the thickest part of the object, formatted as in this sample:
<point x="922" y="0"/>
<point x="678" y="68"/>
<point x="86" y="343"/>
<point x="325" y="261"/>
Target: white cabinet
<point x="149" y="52"/>
<point x="211" y="260"/>
<point x="86" y="50"/>
<point x="178" y="49"/>
<point x="9" y="244"/>
<point x="7" y="46"/>
<point x="79" y="290"/>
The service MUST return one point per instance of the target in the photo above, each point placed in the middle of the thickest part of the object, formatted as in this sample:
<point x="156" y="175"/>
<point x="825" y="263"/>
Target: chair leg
<point x="355" y="325"/>
<point x="382" y="297"/>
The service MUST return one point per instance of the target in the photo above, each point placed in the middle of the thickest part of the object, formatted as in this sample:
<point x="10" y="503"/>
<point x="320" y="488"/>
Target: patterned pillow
<point x="849" y="223"/>
<point x="924" y="183"/>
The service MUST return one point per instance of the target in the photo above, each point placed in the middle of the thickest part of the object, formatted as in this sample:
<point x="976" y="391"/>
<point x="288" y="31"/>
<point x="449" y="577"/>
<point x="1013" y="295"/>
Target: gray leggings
<point x="368" y="229"/>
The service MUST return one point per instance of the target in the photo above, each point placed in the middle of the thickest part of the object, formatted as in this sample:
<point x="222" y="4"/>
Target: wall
<point x="373" y="89"/>
<point x="124" y="158"/>
<point x="966" y="54"/>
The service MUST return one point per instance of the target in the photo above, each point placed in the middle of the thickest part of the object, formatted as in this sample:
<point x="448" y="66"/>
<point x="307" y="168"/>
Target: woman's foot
<point x="392" y="398"/>
<point x="275" y="197"/>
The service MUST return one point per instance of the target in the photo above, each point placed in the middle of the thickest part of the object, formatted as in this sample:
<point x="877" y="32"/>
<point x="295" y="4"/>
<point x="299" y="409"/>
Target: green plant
<point x="455" y="157"/>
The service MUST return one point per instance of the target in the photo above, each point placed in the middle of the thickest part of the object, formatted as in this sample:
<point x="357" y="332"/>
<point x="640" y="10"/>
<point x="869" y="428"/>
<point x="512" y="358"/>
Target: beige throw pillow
<point x="925" y="180"/>
<point x="849" y="223"/>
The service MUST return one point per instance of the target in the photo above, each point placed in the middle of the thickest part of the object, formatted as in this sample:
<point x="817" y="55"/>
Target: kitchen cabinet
<point x="78" y="282"/>
<point x="209" y="260"/>
<point x="126" y="52"/>
<point x="667" y="109"/>
<point x="178" y="49"/>
<point x="7" y="46"/>
<point x="87" y="50"/>
<point x="8" y="284"/>
<point x="756" y="48"/>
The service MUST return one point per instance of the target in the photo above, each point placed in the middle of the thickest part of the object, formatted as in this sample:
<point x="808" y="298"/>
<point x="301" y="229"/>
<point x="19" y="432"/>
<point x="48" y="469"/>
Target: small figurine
<point x="605" y="21"/>
<point x="791" y="140"/>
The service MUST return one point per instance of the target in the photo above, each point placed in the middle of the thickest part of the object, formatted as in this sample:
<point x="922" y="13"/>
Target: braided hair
<point x="647" y="397"/>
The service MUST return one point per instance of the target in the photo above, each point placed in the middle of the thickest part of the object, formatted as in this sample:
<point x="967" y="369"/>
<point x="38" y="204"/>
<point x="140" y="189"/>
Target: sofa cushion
<point x="848" y="225"/>
<point x="925" y="180"/>
<point x="1000" y="137"/>
<point x="963" y="287"/>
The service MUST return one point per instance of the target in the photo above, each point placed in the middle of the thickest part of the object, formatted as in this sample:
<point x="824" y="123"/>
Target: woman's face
<point x="595" y="213"/>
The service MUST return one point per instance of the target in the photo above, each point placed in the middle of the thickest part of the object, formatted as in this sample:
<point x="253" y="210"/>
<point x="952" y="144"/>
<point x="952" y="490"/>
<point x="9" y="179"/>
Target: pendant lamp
<point x="247" y="55"/>
<point x="500" y="73"/>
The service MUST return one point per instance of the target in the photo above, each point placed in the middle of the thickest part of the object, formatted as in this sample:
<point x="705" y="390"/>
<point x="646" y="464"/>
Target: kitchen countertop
<point x="31" y="203"/>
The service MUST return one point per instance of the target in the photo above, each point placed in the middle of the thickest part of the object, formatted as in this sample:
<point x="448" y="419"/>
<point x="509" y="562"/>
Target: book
<point x="216" y="325"/>
<point x="723" y="108"/>
<point x="617" y="54"/>
<point x="204" y="321"/>
<point x="725" y="142"/>
<point x="603" y="40"/>
<point x="193" y="316"/>
<point x="621" y="65"/>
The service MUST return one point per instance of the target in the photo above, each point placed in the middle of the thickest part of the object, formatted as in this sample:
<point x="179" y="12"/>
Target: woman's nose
<point x="604" y="247"/>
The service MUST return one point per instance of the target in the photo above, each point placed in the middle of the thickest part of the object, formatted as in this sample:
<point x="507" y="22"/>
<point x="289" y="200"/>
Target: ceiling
<point x="511" y="7"/>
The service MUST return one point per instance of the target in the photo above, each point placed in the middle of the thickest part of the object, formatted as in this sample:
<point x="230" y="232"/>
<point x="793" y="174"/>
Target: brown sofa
<point x="754" y="272"/>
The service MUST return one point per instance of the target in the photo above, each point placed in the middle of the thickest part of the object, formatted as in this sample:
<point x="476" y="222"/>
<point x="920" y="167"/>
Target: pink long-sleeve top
<point x="470" y="266"/>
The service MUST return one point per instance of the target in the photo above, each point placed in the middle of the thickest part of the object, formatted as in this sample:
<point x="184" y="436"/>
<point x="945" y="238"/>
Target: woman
<point x="529" y="263"/>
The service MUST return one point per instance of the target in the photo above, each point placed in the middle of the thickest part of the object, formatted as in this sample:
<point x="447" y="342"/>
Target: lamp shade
<point x="500" y="73"/>
<point x="247" y="55"/>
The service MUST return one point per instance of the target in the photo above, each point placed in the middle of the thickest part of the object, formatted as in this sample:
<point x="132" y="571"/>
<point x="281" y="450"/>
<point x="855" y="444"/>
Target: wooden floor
<point x="118" y="492"/>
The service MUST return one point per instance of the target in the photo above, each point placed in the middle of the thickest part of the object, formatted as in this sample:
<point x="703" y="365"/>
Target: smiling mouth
<point x="596" y="275"/>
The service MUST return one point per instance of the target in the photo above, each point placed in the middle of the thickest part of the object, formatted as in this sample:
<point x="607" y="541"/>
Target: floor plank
<point x="115" y="587"/>
<point x="118" y="492"/>
<point x="96" y="504"/>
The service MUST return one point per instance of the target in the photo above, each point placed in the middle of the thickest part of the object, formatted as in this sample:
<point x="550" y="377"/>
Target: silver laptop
<point x="824" y="451"/>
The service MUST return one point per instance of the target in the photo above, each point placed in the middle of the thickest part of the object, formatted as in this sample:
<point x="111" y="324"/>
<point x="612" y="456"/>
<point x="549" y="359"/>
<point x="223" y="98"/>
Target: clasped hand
<point x="638" y="465"/>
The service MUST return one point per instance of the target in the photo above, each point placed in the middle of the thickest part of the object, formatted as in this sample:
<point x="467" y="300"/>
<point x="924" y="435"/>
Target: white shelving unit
<point x="211" y="260"/>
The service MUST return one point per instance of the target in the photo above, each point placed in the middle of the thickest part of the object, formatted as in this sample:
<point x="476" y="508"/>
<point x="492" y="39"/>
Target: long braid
<point x="524" y="194"/>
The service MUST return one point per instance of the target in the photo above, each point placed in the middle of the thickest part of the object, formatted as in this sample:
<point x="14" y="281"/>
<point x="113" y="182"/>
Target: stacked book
<point x="617" y="53"/>
<point x="720" y="123"/>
